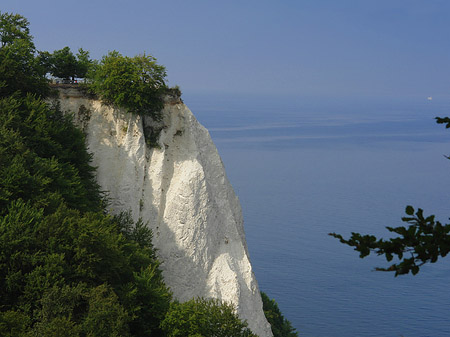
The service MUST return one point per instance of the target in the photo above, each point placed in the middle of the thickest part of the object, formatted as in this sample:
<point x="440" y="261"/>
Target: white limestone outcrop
<point x="181" y="189"/>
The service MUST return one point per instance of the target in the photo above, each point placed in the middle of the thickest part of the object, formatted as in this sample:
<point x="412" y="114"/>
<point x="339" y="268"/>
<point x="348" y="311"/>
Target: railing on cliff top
<point x="66" y="81"/>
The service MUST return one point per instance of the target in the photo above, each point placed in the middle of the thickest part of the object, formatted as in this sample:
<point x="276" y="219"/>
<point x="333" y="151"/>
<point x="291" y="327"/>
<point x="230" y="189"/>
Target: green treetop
<point x="13" y="27"/>
<point x="135" y="83"/>
<point x="64" y="64"/>
<point x="204" y="317"/>
<point x="19" y="68"/>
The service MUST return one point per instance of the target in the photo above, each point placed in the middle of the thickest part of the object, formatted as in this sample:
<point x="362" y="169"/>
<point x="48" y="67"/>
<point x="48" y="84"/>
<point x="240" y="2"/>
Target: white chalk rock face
<point x="181" y="189"/>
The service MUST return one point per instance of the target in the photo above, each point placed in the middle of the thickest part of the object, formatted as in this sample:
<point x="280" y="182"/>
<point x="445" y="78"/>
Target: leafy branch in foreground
<point x="423" y="241"/>
<point x="443" y="120"/>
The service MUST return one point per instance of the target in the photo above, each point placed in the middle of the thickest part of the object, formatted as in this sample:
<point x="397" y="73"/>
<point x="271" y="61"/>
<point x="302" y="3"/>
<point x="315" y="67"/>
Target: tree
<point x="68" y="271"/>
<point x="425" y="240"/>
<point x="20" y="70"/>
<point x="44" y="60"/>
<point x="64" y="64"/>
<point x="135" y="83"/>
<point x="281" y="327"/>
<point x="204" y="317"/>
<point x="43" y="158"/>
<point x="84" y="63"/>
<point x="66" y="267"/>
<point x="13" y="27"/>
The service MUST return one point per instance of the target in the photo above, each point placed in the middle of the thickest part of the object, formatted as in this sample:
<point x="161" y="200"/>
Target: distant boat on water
<point x="429" y="98"/>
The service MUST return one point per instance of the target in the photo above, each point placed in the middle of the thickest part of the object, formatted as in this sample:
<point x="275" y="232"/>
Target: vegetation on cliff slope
<point x="203" y="317"/>
<point x="281" y="327"/>
<point x="67" y="268"/>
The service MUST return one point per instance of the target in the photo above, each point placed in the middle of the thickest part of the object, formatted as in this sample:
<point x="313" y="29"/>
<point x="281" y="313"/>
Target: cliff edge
<point x="180" y="188"/>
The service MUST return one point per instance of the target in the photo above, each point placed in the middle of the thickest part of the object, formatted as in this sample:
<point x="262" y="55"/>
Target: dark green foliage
<point x="19" y="68"/>
<point x="64" y="64"/>
<point x="43" y="157"/>
<point x="204" y="317"/>
<point x="135" y="83"/>
<point x="13" y="27"/>
<point x="84" y="63"/>
<point x="443" y="120"/>
<point x="68" y="270"/>
<point x="281" y="327"/>
<point x="424" y="240"/>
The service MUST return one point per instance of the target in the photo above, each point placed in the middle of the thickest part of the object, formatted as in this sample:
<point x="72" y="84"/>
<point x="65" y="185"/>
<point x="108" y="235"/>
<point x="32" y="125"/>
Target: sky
<point x="320" y="48"/>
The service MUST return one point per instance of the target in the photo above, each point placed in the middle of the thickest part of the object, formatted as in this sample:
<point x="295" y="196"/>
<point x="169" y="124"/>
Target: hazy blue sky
<point x="380" y="48"/>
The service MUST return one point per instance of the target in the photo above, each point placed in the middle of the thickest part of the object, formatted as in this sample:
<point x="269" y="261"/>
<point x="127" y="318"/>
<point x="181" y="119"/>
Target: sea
<point x="304" y="167"/>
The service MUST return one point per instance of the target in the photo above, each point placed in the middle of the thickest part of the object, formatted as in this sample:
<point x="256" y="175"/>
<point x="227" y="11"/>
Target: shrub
<point x="281" y="327"/>
<point x="135" y="83"/>
<point x="204" y="317"/>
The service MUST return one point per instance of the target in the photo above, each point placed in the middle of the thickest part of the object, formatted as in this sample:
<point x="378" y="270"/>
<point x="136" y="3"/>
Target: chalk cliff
<point x="182" y="191"/>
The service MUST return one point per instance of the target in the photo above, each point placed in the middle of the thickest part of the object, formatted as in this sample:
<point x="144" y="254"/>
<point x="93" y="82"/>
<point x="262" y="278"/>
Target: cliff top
<point x="172" y="95"/>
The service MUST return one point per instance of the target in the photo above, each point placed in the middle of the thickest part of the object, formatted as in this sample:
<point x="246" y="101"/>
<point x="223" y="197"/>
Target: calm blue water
<point x="305" y="167"/>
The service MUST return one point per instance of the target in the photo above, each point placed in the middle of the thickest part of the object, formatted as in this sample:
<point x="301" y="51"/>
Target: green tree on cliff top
<point x="135" y="83"/>
<point x="64" y="64"/>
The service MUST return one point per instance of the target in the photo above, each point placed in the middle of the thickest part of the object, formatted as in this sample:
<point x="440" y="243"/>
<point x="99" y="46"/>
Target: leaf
<point x="389" y="256"/>
<point x="409" y="210"/>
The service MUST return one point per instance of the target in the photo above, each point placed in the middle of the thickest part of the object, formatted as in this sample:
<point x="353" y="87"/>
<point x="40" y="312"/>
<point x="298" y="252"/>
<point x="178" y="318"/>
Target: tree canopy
<point x="135" y="83"/>
<point x="19" y="67"/>
<point x="77" y="273"/>
<point x="13" y="28"/>
<point x="43" y="158"/>
<point x="64" y="64"/>
<point x="65" y="266"/>
<point x="204" y="317"/>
